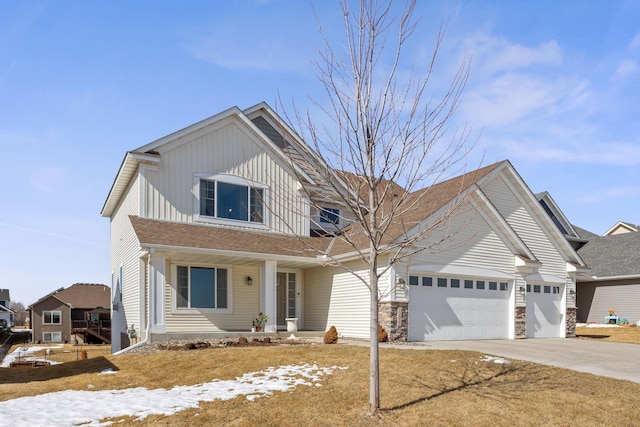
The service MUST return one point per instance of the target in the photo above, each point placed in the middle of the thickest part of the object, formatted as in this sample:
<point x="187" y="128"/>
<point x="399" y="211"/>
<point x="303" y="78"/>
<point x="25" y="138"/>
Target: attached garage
<point x="544" y="311"/>
<point x="450" y="308"/>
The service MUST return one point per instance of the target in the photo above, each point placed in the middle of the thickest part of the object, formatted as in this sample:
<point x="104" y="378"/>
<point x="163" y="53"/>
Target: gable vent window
<point x="230" y="199"/>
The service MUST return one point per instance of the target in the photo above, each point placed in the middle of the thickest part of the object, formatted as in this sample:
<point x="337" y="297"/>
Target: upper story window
<point x="52" y="317"/>
<point x="230" y="198"/>
<point x="330" y="215"/>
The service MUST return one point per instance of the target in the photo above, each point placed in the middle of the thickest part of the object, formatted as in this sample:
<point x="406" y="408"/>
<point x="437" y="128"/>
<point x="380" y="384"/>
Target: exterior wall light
<point x="249" y="281"/>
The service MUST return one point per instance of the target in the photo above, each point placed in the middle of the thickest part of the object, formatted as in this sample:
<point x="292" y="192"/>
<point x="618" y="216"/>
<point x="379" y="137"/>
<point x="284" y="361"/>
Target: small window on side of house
<point x="468" y="284"/>
<point x="427" y="281"/>
<point x="413" y="280"/>
<point x="442" y="282"/>
<point x="493" y="286"/>
<point x="51" y="317"/>
<point x="547" y="289"/>
<point x="455" y="283"/>
<point x="480" y="284"/>
<point x="504" y="286"/>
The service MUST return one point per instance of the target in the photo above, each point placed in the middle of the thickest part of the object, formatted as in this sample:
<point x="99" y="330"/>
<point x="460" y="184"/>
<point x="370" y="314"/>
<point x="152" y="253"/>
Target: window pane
<point x="455" y="283"/>
<point x="536" y="288"/>
<point x="480" y="284"/>
<point x="442" y="282"/>
<point x="257" y="201"/>
<point x="493" y="286"/>
<point x="330" y="215"/>
<point x="207" y="197"/>
<point x="468" y="284"/>
<point x="222" y="288"/>
<point x="547" y="289"/>
<point x="413" y="280"/>
<point x="232" y="201"/>
<point x="503" y="286"/>
<point x="202" y="287"/>
<point x="427" y="281"/>
<point x="182" y="297"/>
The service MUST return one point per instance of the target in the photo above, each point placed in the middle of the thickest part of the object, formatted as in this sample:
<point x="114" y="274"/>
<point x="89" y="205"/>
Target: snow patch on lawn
<point x="598" y="325"/>
<point x="493" y="359"/>
<point x="74" y="407"/>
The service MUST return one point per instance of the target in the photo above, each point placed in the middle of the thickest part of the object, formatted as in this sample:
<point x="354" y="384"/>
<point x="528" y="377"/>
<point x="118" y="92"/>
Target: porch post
<point x="268" y="293"/>
<point x="156" y="293"/>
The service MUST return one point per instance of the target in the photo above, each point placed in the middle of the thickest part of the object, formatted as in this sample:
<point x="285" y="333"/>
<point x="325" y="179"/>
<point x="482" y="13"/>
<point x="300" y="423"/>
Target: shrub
<point x="382" y="334"/>
<point x="331" y="336"/>
<point x="84" y="355"/>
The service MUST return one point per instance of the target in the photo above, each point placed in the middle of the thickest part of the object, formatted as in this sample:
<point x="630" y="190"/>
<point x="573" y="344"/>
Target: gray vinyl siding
<point x="225" y="149"/>
<point x="595" y="300"/>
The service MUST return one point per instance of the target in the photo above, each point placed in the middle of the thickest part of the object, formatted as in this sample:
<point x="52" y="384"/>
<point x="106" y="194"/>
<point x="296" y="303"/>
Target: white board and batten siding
<point x="227" y="149"/>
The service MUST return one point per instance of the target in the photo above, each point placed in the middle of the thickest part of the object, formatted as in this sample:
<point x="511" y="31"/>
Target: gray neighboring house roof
<point x="585" y="234"/>
<point x="617" y="255"/>
<point x="4" y="295"/>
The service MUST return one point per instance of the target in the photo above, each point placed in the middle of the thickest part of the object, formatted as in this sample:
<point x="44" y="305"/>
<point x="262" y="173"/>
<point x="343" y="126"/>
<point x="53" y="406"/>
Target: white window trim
<point x="52" y="311"/>
<point x="59" y="334"/>
<point x="188" y="310"/>
<point x="230" y="179"/>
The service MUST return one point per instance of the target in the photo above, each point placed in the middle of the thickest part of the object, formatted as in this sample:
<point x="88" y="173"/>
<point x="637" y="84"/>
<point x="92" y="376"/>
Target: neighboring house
<point x="78" y="314"/>
<point x="6" y="314"/>
<point x="209" y="226"/>
<point x="614" y="281"/>
<point x="622" y="227"/>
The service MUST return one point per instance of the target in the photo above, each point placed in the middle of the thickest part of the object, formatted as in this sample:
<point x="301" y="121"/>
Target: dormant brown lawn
<point x="419" y="387"/>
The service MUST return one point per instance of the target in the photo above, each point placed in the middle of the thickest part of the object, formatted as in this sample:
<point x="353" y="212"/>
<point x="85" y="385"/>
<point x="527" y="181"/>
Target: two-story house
<point x="219" y="221"/>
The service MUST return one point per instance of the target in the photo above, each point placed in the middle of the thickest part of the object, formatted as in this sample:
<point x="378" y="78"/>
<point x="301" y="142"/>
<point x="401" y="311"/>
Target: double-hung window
<point x="227" y="197"/>
<point x="52" y="317"/>
<point x="202" y="287"/>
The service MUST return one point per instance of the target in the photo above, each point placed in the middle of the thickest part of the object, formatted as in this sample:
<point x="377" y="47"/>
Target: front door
<point x="286" y="297"/>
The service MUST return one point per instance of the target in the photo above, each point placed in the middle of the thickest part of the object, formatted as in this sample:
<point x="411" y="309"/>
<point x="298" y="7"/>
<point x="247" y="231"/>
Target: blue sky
<point x="554" y="88"/>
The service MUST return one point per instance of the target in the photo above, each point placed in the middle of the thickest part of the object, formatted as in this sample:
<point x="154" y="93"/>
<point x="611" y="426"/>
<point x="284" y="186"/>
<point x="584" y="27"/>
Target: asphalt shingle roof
<point x="614" y="255"/>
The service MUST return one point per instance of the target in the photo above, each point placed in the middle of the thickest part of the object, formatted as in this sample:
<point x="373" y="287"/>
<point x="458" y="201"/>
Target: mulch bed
<point x="214" y="343"/>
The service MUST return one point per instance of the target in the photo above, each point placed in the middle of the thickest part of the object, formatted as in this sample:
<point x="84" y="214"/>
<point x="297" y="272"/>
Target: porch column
<point x="268" y="295"/>
<point x="156" y="293"/>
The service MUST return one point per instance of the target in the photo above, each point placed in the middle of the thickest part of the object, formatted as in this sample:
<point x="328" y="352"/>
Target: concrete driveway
<point x="609" y="359"/>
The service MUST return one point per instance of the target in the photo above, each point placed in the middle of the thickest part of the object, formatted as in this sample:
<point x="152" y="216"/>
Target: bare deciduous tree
<point x="20" y="316"/>
<point x="386" y="140"/>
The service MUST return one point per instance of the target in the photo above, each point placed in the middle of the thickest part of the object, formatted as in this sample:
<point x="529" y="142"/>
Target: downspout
<point x="148" y="331"/>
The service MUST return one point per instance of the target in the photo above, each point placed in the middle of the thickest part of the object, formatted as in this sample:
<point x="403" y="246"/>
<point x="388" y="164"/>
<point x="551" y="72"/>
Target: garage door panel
<point x="455" y="314"/>
<point x="544" y="317"/>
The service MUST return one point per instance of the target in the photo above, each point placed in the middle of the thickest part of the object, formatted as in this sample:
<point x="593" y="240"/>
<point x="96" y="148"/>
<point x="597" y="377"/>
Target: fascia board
<point x="497" y="223"/>
<point x="247" y="255"/>
<point x="128" y="168"/>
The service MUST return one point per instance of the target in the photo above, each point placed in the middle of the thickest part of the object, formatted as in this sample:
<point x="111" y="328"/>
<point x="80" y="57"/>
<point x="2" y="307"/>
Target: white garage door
<point x="457" y="309"/>
<point x="544" y="315"/>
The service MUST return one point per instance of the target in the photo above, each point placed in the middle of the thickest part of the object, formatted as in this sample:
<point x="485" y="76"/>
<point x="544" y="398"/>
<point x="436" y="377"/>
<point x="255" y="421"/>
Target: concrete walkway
<point x="609" y="359"/>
